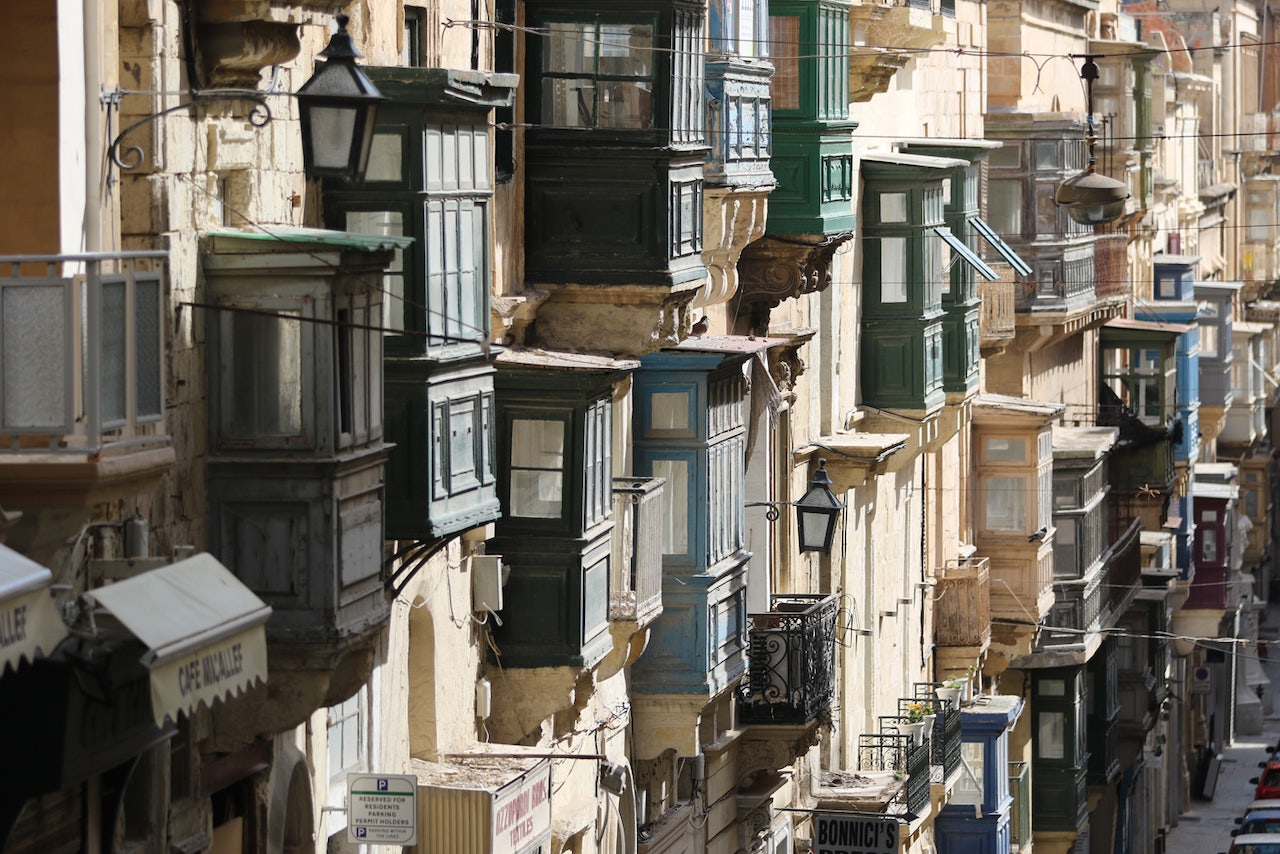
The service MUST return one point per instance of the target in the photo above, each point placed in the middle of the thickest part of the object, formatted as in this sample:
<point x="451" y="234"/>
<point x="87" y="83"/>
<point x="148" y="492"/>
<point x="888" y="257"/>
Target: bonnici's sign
<point x="842" y="833"/>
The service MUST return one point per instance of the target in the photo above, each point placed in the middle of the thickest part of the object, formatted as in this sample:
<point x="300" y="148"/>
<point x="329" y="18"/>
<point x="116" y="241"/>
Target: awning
<point x="1022" y="268"/>
<point x="961" y="249"/>
<point x="30" y="624"/>
<point x="203" y="629"/>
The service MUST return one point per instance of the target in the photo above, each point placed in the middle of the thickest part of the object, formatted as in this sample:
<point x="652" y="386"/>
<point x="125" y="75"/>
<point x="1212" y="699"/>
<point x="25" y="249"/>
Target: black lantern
<point x="1090" y="198"/>
<point x="337" y="108"/>
<point x="816" y="513"/>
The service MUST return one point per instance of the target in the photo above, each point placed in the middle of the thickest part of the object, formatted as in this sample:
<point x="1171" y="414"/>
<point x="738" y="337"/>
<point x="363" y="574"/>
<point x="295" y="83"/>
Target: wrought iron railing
<point x="1020" y="816"/>
<point x="791" y="661"/>
<point x="82" y="352"/>
<point x="962" y="603"/>
<point x="899" y="753"/>
<point x="635" y="583"/>
<point x="944" y="738"/>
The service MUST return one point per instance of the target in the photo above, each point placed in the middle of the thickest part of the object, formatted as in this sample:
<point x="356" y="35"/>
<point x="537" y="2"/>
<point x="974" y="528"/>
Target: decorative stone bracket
<point x="775" y="268"/>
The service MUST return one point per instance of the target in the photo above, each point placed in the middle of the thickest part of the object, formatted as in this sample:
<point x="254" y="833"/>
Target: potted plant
<point x="950" y="691"/>
<point x="915" y="724"/>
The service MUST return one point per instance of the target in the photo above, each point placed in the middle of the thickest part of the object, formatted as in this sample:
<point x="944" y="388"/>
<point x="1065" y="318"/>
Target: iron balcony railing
<point x="635" y="584"/>
<point x="962" y="603"/>
<point x="944" y="736"/>
<point x="898" y="752"/>
<point x="791" y="661"/>
<point x="82" y="352"/>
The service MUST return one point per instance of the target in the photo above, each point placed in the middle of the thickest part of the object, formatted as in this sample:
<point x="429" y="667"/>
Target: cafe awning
<point x="203" y="629"/>
<point x="30" y="625"/>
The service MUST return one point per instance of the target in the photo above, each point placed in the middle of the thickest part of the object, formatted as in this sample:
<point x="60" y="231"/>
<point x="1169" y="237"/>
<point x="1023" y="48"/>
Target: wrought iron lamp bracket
<point x="130" y="157"/>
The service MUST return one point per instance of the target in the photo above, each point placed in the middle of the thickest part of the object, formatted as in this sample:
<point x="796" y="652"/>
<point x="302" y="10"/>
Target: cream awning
<point x="203" y="629"/>
<point x="30" y="624"/>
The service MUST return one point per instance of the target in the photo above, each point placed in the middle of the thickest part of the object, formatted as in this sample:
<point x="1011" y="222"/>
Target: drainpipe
<point x="95" y="147"/>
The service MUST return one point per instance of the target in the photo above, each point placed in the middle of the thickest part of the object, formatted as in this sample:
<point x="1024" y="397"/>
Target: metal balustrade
<point x="791" y="661"/>
<point x="82" y="352"/>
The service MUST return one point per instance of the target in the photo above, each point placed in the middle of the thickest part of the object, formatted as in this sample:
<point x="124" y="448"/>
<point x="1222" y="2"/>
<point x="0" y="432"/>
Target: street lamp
<point x="337" y="108"/>
<point x="1090" y="198"/>
<point x="816" y="513"/>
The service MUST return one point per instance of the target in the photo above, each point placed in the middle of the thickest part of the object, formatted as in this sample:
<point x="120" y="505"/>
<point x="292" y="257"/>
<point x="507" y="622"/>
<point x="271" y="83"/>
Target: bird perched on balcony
<point x="700" y="328"/>
<point x="1039" y="536"/>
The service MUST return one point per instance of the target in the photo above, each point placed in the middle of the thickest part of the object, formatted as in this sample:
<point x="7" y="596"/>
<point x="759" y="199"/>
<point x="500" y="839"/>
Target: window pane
<point x="1005" y="450"/>
<point x="626" y="104"/>
<point x="385" y="158"/>
<point x="1004" y="207"/>
<point x="893" y="207"/>
<point x="970" y="788"/>
<point x="675" y="505"/>
<point x="1051" y="735"/>
<point x="386" y="224"/>
<point x="264" y="395"/>
<point x="1006" y="503"/>
<point x="893" y="269"/>
<point x="537" y="444"/>
<point x="669" y="410"/>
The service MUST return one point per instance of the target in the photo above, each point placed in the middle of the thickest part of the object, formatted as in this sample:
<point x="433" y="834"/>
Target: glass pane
<point x="893" y="207"/>
<point x="568" y="103"/>
<point x="146" y="324"/>
<point x="34" y="341"/>
<point x="264" y="396"/>
<point x="332" y="130"/>
<point x="669" y="410"/>
<point x="385" y="158"/>
<point x="111" y="369"/>
<point x="626" y="105"/>
<point x="537" y="444"/>
<point x="970" y="788"/>
<point x="1051" y="735"/>
<point x="626" y="50"/>
<point x="1006" y="503"/>
<point x="675" y="505"/>
<point x="537" y="494"/>
<point x="893" y="269"/>
<point x="386" y="224"/>
<point x="567" y="49"/>
<point x="1004" y="207"/>
<point x="1047" y="156"/>
<point x="595" y="597"/>
<point x="1005" y="450"/>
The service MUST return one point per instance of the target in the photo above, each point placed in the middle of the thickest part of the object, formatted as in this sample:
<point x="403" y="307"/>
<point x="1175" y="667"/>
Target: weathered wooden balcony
<point x="962" y="603"/>
<point x="635" y="582"/>
<point x="996" y="324"/>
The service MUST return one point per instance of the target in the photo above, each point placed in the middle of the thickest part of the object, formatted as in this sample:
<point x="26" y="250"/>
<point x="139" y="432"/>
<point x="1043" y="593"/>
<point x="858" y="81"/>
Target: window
<point x="430" y="181"/>
<point x="537" y="468"/>
<point x="1006" y="503"/>
<point x="998" y="449"/>
<point x="893" y="269"/>
<point x="675" y="505"/>
<point x="1209" y="545"/>
<point x="971" y="787"/>
<point x="1066" y="555"/>
<point x="598" y="75"/>
<point x="1209" y="340"/>
<point x="1259" y="228"/>
<point x="346" y="737"/>
<point x="1051" y="735"/>
<point x="1004" y="207"/>
<point x="262" y="392"/>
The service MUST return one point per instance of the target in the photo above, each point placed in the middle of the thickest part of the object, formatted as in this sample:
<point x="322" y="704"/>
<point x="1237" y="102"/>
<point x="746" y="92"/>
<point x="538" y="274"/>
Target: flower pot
<point x="928" y="726"/>
<point x="916" y="731"/>
<point x="951" y="695"/>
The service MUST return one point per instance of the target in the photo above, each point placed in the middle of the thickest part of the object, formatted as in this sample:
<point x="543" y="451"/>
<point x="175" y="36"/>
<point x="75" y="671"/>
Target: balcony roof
<point x="560" y="361"/>
<point x="1215" y="472"/>
<point x="918" y="161"/>
<point x="1124" y="323"/>
<point x="854" y="458"/>
<point x="1005" y="405"/>
<point x="1222" y="491"/>
<point x="1246" y="328"/>
<point x="1083" y="443"/>
<point x="992" y="712"/>
<point x="309" y="237"/>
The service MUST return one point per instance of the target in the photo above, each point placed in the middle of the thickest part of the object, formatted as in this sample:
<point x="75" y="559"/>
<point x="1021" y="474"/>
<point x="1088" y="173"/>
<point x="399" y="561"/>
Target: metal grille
<point x="791" y="676"/>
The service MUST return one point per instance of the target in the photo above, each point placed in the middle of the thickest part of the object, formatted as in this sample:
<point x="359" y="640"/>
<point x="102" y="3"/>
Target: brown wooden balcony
<point x="962" y="604"/>
<point x="635" y="584"/>
<point x="1111" y="266"/>
<point x="82" y="383"/>
<point x="997" y="322"/>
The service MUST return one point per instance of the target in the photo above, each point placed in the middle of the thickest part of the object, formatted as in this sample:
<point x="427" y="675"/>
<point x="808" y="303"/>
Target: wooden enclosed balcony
<point x="962" y="604"/>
